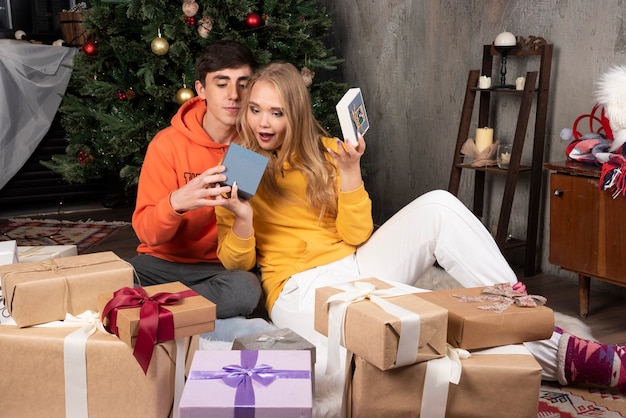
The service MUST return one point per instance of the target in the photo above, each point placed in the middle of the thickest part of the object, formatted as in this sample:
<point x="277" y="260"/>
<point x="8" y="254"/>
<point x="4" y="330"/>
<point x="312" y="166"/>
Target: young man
<point x="174" y="216"/>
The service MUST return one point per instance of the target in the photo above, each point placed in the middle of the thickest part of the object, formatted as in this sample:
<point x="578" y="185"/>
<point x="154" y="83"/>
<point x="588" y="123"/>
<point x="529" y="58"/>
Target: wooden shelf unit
<point x="537" y="86"/>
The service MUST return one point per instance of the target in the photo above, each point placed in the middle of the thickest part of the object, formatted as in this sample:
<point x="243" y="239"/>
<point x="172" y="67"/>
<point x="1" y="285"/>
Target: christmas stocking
<point x="588" y="362"/>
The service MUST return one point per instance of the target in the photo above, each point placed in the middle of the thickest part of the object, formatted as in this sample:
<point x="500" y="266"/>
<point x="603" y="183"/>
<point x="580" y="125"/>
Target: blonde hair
<point x="302" y="148"/>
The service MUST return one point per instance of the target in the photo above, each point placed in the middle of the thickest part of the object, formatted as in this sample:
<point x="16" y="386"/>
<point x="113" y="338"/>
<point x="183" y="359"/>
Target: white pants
<point x="434" y="227"/>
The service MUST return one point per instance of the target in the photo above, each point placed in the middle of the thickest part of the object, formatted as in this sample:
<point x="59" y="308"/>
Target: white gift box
<point x="8" y="252"/>
<point x="45" y="252"/>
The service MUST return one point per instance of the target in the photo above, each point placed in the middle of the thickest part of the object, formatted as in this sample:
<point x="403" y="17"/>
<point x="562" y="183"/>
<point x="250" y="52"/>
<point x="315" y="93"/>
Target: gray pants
<point x="234" y="292"/>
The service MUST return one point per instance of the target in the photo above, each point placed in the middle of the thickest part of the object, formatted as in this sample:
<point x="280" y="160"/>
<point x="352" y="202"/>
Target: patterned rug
<point x="569" y="402"/>
<point x="34" y="232"/>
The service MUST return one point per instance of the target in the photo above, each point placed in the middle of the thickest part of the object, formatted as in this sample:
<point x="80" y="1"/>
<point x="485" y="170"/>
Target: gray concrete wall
<point x="411" y="58"/>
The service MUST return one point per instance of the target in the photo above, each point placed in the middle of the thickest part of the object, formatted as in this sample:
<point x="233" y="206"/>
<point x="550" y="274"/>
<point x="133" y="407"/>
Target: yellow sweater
<point x="288" y="236"/>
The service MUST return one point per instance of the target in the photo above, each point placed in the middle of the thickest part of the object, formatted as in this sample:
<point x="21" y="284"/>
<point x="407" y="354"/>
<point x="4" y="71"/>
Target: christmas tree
<point x="137" y="67"/>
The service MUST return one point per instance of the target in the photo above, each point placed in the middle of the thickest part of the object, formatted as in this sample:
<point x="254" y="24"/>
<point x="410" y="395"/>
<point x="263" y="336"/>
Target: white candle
<point x="505" y="157"/>
<point x="484" y="138"/>
<point x="505" y="39"/>
<point x="484" y="82"/>
<point x="519" y="83"/>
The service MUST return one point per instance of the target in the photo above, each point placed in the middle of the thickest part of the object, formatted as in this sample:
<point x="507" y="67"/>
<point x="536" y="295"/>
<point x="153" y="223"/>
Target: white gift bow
<point x="408" y="342"/>
<point x="443" y="371"/>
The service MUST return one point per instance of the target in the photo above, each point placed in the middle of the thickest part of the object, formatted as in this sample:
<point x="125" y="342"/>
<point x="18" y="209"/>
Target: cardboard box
<point x="374" y="334"/>
<point x="44" y="291"/>
<point x="206" y="394"/>
<point x="45" y="252"/>
<point x="490" y="386"/>
<point x="32" y="382"/>
<point x="8" y="252"/>
<point x="192" y="315"/>
<point x="472" y="328"/>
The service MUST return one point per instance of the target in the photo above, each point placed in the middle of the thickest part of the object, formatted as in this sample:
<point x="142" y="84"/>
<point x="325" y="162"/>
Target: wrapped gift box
<point x="374" y="334"/>
<point x="45" y="252"/>
<point x="32" y="382"/>
<point x="8" y="252"/>
<point x="472" y="328"/>
<point x="274" y="383"/>
<point x="490" y="386"/>
<point x="44" y="291"/>
<point x="193" y="315"/>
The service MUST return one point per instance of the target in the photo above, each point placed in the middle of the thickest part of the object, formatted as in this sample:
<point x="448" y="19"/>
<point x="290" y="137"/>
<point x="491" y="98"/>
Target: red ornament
<point x="89" y="48"/>
<point x="253" y="20"/>
<point x="121" y="96"/>
<point x="190" y="21"/>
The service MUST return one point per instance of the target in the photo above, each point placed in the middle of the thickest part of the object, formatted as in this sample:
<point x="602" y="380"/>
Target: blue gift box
<point x="244" y="167"/>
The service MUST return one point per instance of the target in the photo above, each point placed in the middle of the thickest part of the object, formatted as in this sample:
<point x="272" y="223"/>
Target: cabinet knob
<point x="558" y="192"/>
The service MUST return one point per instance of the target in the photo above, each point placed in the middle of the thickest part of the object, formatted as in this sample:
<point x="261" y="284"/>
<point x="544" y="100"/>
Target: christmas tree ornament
<point x="184" y="93"/>
<point x="205" y="26"/>
<point x="159" y="45"/>
<point x="121" y="95"/>
<point x="190" y="8"/>
<point x="190" y="21"/>
<point x="253" y="20"/>
<point x="130" y="94"/>
<point x="307" y="74"/>
<point x="89" y="48"/>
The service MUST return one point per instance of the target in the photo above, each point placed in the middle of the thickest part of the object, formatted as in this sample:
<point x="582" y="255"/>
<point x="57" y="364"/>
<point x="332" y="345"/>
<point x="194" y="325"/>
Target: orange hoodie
<point x="177" y="154"/>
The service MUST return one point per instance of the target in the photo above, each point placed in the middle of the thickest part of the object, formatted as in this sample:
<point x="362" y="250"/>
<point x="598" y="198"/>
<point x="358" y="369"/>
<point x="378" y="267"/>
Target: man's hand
<point x="203" y="190"/>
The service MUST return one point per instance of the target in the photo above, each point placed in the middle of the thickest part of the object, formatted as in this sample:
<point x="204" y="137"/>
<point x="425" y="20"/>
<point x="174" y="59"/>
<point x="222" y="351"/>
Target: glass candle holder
<point x="504" y="155"/>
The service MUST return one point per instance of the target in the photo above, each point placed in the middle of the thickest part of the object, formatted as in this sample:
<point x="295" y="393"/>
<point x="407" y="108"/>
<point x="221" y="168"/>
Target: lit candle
<point x="484" y="82"/>
<point x="505" y="39"/>
<point x="505" y="157"/>
<point x="519" y="83"/>
<point x="484" y="138"/>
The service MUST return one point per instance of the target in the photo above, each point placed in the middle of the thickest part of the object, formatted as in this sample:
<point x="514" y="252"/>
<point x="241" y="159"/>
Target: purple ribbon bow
<point x="241" y="378"/>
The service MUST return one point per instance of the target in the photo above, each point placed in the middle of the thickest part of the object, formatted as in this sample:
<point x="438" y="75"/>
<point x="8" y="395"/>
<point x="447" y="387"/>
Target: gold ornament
<point x="159" y="45"/>
<point x="184" y="94"/>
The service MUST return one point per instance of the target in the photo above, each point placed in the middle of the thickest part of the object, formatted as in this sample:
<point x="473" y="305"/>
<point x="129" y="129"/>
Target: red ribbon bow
<point x="156" y="323"/>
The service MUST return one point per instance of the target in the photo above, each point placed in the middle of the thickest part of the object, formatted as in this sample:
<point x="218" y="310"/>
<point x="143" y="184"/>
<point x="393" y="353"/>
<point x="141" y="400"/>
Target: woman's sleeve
<point x="235" y="253"/>
<point x="354" y="217"/>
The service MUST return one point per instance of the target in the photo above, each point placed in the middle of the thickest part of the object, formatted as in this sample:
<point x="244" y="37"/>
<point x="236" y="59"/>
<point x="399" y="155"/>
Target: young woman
<point x="310" y="225"/>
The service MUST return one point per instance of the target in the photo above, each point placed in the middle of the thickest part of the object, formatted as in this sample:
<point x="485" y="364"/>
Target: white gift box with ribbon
<point x="386" y="325"/>
<point x="45" y="252"/>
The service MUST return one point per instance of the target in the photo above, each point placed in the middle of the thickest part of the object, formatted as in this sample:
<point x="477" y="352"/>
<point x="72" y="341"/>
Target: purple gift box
<point x="248" y="384"/>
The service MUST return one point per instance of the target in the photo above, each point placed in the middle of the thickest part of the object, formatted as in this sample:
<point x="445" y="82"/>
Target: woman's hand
<point x="348" y="159"/>
<point x="242" y="225"/>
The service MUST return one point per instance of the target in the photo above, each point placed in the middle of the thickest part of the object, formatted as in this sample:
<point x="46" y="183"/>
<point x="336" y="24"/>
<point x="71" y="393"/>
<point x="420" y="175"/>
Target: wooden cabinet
<point x="536" y="89"/>
<point x="587" y="228"/>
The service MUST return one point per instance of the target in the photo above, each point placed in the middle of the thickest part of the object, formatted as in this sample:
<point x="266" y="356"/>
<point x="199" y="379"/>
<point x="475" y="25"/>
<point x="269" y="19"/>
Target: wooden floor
<point x="607" y="311"/>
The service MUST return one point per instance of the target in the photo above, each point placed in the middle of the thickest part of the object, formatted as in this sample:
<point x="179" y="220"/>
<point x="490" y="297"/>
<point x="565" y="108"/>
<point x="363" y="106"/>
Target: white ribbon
<point x="355" y="292"/>
<point x="442" y="372"/>
<point x="75" y="361"/>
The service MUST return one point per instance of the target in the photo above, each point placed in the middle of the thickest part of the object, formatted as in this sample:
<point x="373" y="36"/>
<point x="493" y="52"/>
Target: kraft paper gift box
<point x="193" y="315"/>
<point x="413" y="330"/>
<point x="44" y="291"/>
<point x="45" y="252"/>
<point x="265" y="384"/>
<point x="33" y="383"/>
<point x="8" y="252"/>
<point x="502" y="381"/>
<point x="471" y="328"/>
